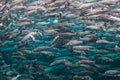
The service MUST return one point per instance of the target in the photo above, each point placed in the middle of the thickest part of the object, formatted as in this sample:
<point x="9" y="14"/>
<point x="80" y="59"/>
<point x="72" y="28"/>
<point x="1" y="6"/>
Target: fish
<point x="19" y="57"/>
<point x="37" y="8"/>
<point x="55" y="78"/>
<point x="31" y="12"/>
<point x="57" y="3"/>
<point x="88" y="67"/>
<point x="12" y="72"/>
<point x="102" y="51"/>
<point x="84" y="73"/>
<point x="41" y="48"/>
<point x="82" y="48"/>
<point x="108" y="17"/>
<point x="104" y="60"/>
<point x="26" y="51"/>
<point x="87" y="1"/>
<point x="111" y="73"/>
<point x="98" y="11"/>
<point x="13" y="35"/>
<point x="34" y="3"/>
<point x="26" y="23"/>
<point x="70" y="16"/>
<point x="79" y="52"/>
<point x="85" y="62"/>
<point x="92" y="27"/>
<point x="50" y="32"/>
<point x="82" y="77"/>
<point x="16" y="77"/>
<point x="109" y="2"/>
<point x="18" y="1"/>
<point x="47" y="53"/>
<point x="30" y="35"/>
<point x="52" y="15"/>
<point x="57" y="62"/>
<point x="104" y="42"/>
<point x="19" y="7"/>
<point x="73" y="42"/>
<point x="64" y="62"/>
<point x="81" y="57"/>
<point x="81" y="6"/>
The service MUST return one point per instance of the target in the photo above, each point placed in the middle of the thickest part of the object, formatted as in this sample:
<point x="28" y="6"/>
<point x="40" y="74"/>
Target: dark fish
<point x="84" y="73"/>
<point x="104" y="60"/>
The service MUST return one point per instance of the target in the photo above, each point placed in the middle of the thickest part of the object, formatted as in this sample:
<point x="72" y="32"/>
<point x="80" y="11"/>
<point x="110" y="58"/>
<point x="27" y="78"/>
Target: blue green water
<point x="27" y="56"/>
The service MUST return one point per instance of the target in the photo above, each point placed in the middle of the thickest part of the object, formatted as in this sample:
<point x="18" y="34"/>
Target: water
<point x="59" y="40"/>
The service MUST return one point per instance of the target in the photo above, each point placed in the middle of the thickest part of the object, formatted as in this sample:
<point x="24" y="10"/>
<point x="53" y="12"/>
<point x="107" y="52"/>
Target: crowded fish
<point x="59" y="39"/>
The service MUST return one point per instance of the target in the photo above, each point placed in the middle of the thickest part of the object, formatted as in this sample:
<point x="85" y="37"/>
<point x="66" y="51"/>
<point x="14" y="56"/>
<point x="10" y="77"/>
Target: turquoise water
<point x="50" y="40"/>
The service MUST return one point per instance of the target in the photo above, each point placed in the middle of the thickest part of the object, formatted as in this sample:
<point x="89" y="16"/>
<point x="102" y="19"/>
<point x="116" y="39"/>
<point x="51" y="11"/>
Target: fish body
<point x="82" y="47"/>
<point x="29" y="35"/>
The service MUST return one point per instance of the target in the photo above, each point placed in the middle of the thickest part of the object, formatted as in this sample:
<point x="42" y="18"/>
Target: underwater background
<point x="59" y="39"/>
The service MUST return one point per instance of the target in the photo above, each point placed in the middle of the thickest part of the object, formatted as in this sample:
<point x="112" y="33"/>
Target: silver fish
<point x="82" y="48"/>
